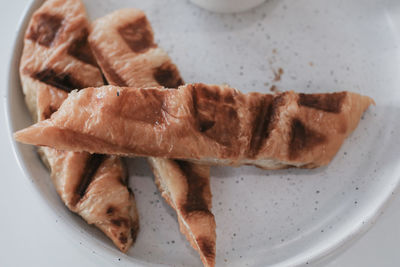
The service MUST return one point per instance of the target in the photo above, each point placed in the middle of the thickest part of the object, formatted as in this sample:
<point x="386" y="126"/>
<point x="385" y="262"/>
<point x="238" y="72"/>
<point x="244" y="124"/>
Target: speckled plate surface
<point x="275" y="218"/>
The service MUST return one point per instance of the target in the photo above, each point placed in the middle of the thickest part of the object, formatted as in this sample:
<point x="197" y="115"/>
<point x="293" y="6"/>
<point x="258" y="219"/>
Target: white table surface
<point x="31" y="236"/>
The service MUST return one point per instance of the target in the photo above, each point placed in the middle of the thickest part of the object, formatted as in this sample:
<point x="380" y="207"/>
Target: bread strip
<point x="57" y="59"/>
<point x="123" y="44"/>
<point x="186" y="188"/>
<point x="203" y="123"/>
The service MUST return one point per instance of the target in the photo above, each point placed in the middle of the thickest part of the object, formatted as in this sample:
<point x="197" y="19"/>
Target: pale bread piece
<point x="57" y="59"/>
<point x="123" y="44"/>
<point x="205" y="124"/>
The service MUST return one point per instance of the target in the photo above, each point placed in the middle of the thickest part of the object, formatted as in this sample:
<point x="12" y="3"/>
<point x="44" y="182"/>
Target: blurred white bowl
<point x="227" y="6"/>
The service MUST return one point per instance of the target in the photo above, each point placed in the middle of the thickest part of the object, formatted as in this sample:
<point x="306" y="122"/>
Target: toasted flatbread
<point x="57" y="59"/>
<point x="204" y="124"/>
<point x="123" y="44"/>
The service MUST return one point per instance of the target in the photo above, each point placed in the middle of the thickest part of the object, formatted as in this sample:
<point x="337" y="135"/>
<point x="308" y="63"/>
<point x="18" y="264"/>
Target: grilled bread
<point x="123" y="44"/>
<point x="205" y="124"/>
<point x="186" y="188"/>
<point x="57" y="59"/>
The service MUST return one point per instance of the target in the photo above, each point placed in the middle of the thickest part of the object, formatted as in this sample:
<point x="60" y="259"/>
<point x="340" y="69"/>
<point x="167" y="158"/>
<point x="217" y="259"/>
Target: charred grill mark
<point x="167" y="75"/>
<point x="63" y="81"/>
<point x="205" y="125"/>
<point x="111" y="75"/>
<point x="207" y="247"/>
<point x="207" y="92"/>
<point x="196" y="186"/>
<point x="116" y="222"/>
<point x="92" y="165"/>
<point x="80" y="49"/>
<point x="261" y="124"/>
<point x="326" y="102"/>
<point x="215" y="117"/>
<point x="120" y="221"/>
<point x="122" y="238"/>
<point x="138" y="35"/>
<point x="110" y="210"/>
<point x="303" y="139"/>
<point x="44" y="29"/>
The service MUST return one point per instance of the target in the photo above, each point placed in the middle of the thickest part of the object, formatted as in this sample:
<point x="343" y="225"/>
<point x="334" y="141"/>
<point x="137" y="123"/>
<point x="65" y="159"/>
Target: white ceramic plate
<point x="277" y="218"/>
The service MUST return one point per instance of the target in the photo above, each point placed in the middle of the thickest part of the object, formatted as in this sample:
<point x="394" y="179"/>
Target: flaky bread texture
<point x="203" y="123"/>
<point x="123" y="44"/>
<point x="57" y="59"/>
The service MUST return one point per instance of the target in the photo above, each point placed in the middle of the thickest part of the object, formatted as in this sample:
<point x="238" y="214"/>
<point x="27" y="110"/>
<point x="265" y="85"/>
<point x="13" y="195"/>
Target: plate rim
<point x="315" y="256"/>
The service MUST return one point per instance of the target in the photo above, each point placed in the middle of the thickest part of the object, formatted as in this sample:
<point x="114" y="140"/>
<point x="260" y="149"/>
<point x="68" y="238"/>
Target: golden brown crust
<point x="123" y="44"/>
<point x="57" y="59"/>
<point x="296" y="135"/>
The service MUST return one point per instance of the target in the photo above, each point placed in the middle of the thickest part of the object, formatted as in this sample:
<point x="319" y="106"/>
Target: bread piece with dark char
<point x="123" y="44"/>
<point x="56" y="60"/>
<point x="205" y="124"/>
<point x="186" y="188"/>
